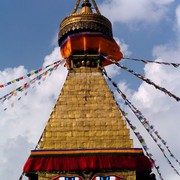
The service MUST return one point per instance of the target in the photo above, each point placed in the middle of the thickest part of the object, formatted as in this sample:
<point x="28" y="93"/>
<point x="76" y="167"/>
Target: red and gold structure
<point x="86" y="136"/>
<point x="88" y="33"/>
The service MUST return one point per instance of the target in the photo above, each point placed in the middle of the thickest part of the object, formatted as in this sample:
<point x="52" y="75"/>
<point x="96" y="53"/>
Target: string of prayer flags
<point x="149" y="82"/>
<point x="140" y="139"/>
<point x="149" y="128"/>
<point x="13" y="104"/>
<point x="144" y="79"/>
<point x="20" y="97"/>
<point x="167" y="147"/>
<point x="26" y="86"/>
<point x="30" y="74"/>
<point x="19" y="89"/>
<point x="176" y="65"/>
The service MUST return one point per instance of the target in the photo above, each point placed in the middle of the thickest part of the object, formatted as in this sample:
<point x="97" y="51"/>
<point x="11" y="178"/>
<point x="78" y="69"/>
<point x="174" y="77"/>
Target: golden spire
<point x="86" y="3"/>
<point x="85" y="20"/>
<point x="86" y="7"/>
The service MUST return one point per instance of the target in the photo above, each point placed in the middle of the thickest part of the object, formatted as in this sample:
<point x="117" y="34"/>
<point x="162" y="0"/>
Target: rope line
<point x="27" y="86"/>
<point x="30" y="74"/>
<point x="5" y="97"/>
<point x="148" y="81"/>
<point x="176" y="65"/>
<point x="21" y="177"/>
<point x="141" y="140"/>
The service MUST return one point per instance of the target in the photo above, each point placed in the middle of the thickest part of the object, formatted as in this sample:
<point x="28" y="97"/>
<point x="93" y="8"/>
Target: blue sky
<point x="147" y="29"/>
<point x="28" y="31"/>
<point x="28" y="28"/>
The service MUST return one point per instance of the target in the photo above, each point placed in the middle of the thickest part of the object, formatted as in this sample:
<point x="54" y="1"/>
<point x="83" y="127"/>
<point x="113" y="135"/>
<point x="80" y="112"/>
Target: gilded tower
<point x="86" y="136"/>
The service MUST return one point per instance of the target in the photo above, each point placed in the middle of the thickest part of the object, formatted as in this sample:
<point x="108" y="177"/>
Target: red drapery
<point x="89" y="41"/>
<point x="47" y="161"/>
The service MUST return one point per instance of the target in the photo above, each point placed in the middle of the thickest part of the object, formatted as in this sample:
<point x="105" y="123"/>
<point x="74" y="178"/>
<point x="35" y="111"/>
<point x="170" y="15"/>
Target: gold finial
<point x="84" y="20"/>
<point x="86" y="7"/>
<point x="87" y="4"/>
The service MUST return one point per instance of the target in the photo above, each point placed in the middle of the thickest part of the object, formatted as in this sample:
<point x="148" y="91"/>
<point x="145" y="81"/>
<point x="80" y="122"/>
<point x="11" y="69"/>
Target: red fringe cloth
<point x="89" y="41"/>
<point x="47" y="161"/>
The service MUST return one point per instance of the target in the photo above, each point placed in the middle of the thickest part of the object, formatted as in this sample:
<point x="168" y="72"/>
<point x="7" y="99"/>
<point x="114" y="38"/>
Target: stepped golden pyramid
<point x="86" y="136"/>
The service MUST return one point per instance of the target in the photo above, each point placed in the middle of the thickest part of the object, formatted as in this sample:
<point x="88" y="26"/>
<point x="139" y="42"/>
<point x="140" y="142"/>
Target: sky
<point x="146" y="29"/>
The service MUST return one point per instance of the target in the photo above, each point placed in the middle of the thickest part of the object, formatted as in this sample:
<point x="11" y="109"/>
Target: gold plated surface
<point x="85" y="20"/>
<point x="85" y="115"/>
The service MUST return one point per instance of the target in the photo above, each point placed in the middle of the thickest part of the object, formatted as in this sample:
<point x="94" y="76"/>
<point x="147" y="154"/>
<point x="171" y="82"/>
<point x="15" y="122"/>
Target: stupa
<point x="86" y="136"/>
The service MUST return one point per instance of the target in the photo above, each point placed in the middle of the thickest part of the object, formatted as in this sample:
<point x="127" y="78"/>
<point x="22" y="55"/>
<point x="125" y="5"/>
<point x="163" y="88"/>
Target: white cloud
<point x="12" y="164"/>
<point x="55" y="40"/>
<point x="124" y="48"/>
<point x="139" y="11"/>
<point x="178" y="17"/>
<point x="53" y="57"/>
<point x="113" y="70"/>
<point x="10" y="73"/>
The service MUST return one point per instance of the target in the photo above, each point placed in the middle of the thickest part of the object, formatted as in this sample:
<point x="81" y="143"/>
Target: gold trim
<point x="85" y="20"/>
